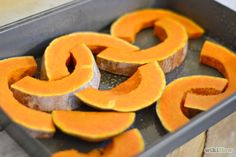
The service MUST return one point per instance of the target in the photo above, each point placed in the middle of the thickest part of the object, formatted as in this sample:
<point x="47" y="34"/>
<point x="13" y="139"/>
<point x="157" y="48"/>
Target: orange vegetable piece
<point x="92" y="126"/>
<point x="170" y="107"/>
<point x="128" y="144"/>
<point x="58" y="95"/>
<point x="75" y="153"/>
<point x="58" y="52"/>
<point x="169" y="54"/>
<point x="139" y="91"/>
<point x="39" y="124"/>
<point x="128" y="25"/>
<point x="224" y="61"/>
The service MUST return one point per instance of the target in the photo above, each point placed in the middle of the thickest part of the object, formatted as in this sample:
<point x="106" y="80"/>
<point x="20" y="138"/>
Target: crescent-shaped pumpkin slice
<point x="58" y="52"/>
<point x="58" y="95"/>
<point x="170" y="53"/>
<point x="75" y="153"/>
<point x="127" y="144"/>
<point x="224" y="61"/>
<point x="170" y="108"/>
<point x="92" y="126"/>
<point x="139" y="91"/>
<point x="38" y="124"/>
<point x="128" y="26"/>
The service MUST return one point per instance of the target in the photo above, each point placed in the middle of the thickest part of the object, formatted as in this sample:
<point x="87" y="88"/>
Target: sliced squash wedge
<point x="224" y="61"/>
<point x="128" y="25"/>
<point x="58" y="95"/>
<point x="93" y="126"/>
<point x="139" y="91"/>
<point x="128" y="144"/>
<point x="75" y="153"/>
<point x="38" y="124"/>
<point x="58" y="52"/>
<point x="170" y="53"/>
<point x="170" y="107"/>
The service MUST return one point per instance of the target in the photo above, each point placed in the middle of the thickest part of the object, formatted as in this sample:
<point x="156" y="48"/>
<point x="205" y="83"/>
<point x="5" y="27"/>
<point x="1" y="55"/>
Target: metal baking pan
<point x="31" y="35"/>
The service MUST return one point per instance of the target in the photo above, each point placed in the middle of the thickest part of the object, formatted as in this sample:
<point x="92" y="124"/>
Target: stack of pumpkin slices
<point x="198" y="92"/>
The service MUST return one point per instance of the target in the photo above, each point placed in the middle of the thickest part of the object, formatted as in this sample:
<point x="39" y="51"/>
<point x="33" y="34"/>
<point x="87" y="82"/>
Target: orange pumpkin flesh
<point x="75" y="153"/>
<point x="170" y="53"/>
<point x="224" y="61"/>
<point x="92" y="126"/>
<point x="138" y="92"/>
<point x="170" y="108"/>
<point x="58" y="95"/>
<point x="39" y="124"/>
<point x="127" y="26"/>
<point x="128" y="144"/>
<point x="58" y="52"/>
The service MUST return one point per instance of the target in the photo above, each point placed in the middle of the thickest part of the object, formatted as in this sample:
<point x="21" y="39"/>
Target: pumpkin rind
<point x="128" y="144"/>
<point x="92" y="126"/>
<point x="139" y="91"/>
<point x="170" y="108"/>
<point x="58" y="52"/>
<point x="170" y="53"/>
<point x="38" y="124"/>
<point x="128" y="25"/>
<point x="58" y="95"/>
<point x="222" y="59"/>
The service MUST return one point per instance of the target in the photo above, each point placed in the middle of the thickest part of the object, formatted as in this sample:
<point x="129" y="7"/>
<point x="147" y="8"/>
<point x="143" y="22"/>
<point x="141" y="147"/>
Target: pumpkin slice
<point x="128" y="144"/>
<point x="224" y="61"/>
<point x="170" y="53"/>
<point x="58" y="95"/>
<point x="170" y="108"/>
<point x="138" y="92"/>
<point x="38" y="124"/>
<point x="128" y="26"/>
<point x="75" y="153"/>
<point x="92" y="126"/>
<point x="58" y="52"/>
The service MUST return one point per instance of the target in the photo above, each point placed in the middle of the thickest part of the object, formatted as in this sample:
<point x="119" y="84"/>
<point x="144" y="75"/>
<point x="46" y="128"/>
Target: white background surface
<point x="228" y="3"/>
<point x="12" y="10"/>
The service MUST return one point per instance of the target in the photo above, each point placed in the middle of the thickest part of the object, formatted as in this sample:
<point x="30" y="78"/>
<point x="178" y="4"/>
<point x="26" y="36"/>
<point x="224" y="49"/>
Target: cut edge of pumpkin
<point x="76" y="153"/>
<point x="223" y="82"/>
<point x="42" y="132"/>
<point x="45" y="62"/>
<point x="107" y="150"/>
<point x="207" y="58"/>
<point x="28" y="91"/>
<point x="51" y="95"/>
<point x="111" y="149"/>
<point x="118" y="64"/>
<point x="199" y="31"/>
<point x="133" y="47"/>
<point x="151" y="101"/>
<point x="112" y="104"/>
<point x="93" y="138"/>
<point x="158" y="23"/>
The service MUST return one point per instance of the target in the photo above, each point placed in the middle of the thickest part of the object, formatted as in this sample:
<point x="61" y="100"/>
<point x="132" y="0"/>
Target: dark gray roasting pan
<point x="31" y="35"/>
